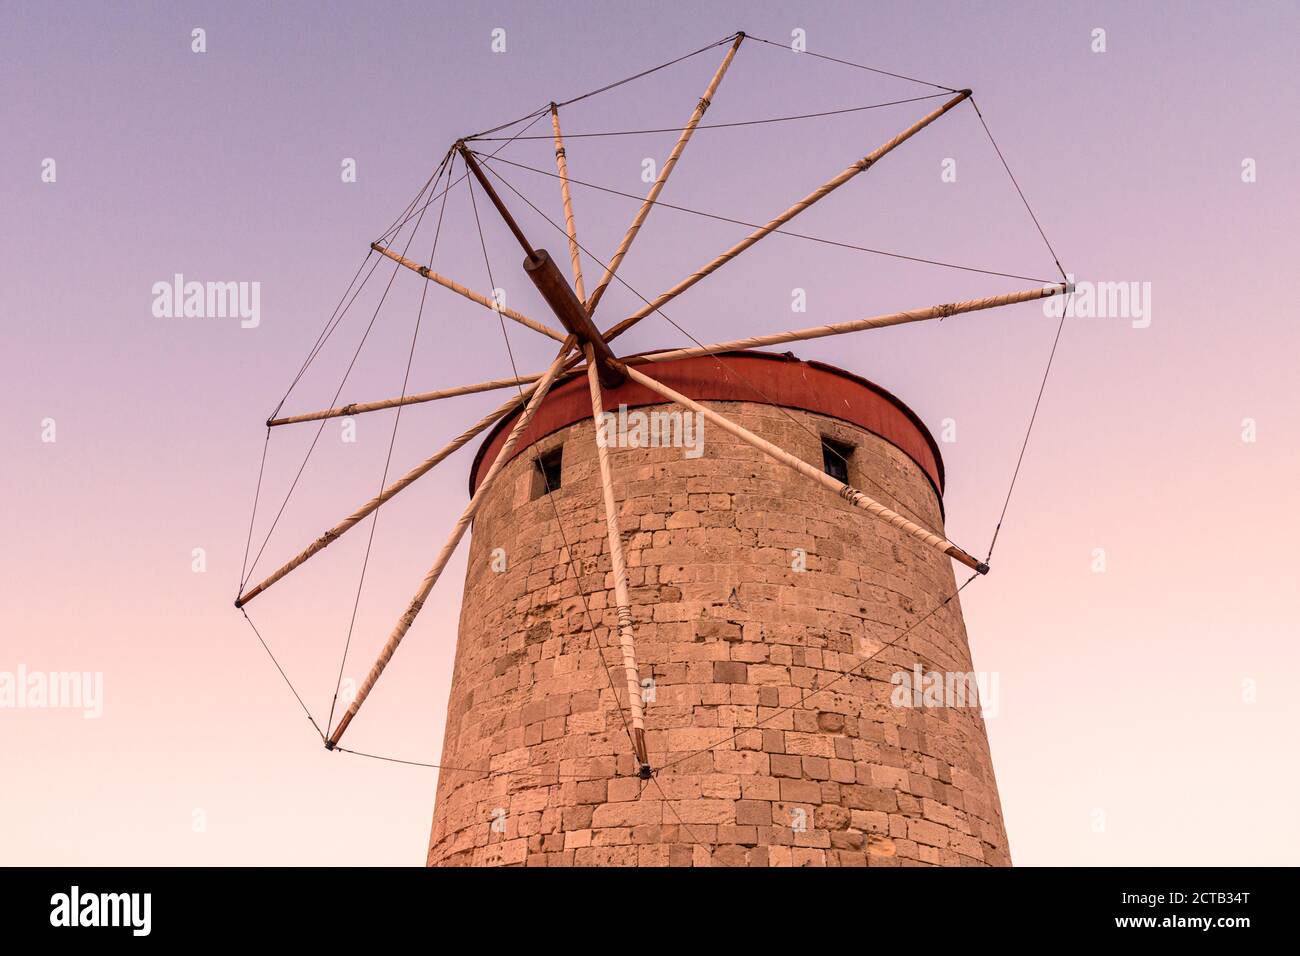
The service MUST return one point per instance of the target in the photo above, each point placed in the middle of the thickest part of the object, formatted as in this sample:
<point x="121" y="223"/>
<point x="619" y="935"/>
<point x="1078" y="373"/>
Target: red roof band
<point x="777" y="379"/>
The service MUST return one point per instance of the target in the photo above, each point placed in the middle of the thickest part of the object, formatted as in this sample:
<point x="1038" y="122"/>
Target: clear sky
<point x="1144" y="713"/>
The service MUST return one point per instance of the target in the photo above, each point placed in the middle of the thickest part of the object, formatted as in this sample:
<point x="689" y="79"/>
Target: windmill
<point x="586" y="352"/>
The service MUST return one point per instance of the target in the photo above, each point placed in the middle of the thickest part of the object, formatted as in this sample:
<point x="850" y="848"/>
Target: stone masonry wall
<point x="756" y="766"/>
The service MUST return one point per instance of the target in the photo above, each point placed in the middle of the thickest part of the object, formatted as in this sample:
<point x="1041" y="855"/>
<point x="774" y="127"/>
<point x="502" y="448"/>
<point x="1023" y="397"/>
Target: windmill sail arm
<point x="819" y="193"/>
<point x="872" y="322"/>
<point x="669" y="164"/>
<point x="426" y="586"/>
<point x="358" y="408"/>
<point x="845" y="491"/>
<point x="618" y="565"/>
<point x="570" y="229"/>
<point x="334" y="533"/>
<point x="469" y="293"/>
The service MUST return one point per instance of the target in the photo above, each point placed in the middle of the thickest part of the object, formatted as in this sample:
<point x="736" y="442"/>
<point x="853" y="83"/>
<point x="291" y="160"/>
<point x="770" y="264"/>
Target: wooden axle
<point x="550" y="282"/>
<point x="472" y="164"/>
<point x="559" y="295"/>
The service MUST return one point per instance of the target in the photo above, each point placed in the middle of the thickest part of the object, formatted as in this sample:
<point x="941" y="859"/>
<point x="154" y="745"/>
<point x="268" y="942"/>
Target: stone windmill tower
<point x="751" y="587"/>
<point x="710" y="614"/>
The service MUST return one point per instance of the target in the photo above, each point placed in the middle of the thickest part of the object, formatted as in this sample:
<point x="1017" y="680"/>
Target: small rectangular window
<point x="835" y="459"/>
<point x="546" y="478"/>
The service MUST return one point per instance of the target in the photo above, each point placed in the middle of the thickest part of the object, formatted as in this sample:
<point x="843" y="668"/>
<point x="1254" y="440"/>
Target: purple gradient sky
<point x="1119" y="692"/>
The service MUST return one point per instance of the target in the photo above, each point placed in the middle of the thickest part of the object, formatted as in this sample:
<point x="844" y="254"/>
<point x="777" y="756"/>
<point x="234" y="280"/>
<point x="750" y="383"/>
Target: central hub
<point x="559" y="295"/>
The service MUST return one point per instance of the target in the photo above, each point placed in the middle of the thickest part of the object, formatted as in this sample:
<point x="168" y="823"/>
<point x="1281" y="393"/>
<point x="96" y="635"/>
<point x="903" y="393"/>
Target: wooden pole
<point x="358" y="408"/>
<point x="847" y="492"/>
<point x="562" y="165"/>
<point x="468" y="293"/>
<point x="754" y="341"/>
<point x="664" y="173"/>
<point x="544" y="273"/>
<point x="622" y="600"/>
<point x="819" y="193"/>
<point x="559" y="295"/>
<point x="472" y="165"/>
<point x="430" y="579"/>
<point x="332" y="535"/>
<point x="874" y="322"/>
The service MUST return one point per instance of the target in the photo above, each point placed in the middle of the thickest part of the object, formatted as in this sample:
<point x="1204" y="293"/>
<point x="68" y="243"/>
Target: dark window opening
<point x="835" y="459"/>
<point x="547" y="476"/>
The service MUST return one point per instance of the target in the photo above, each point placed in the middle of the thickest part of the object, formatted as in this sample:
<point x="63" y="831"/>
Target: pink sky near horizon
<point x="1119" y="692"/>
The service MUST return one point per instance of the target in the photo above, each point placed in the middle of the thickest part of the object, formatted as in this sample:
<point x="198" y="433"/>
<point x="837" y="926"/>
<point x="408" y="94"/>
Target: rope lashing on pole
<point x="562" y="166"/>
